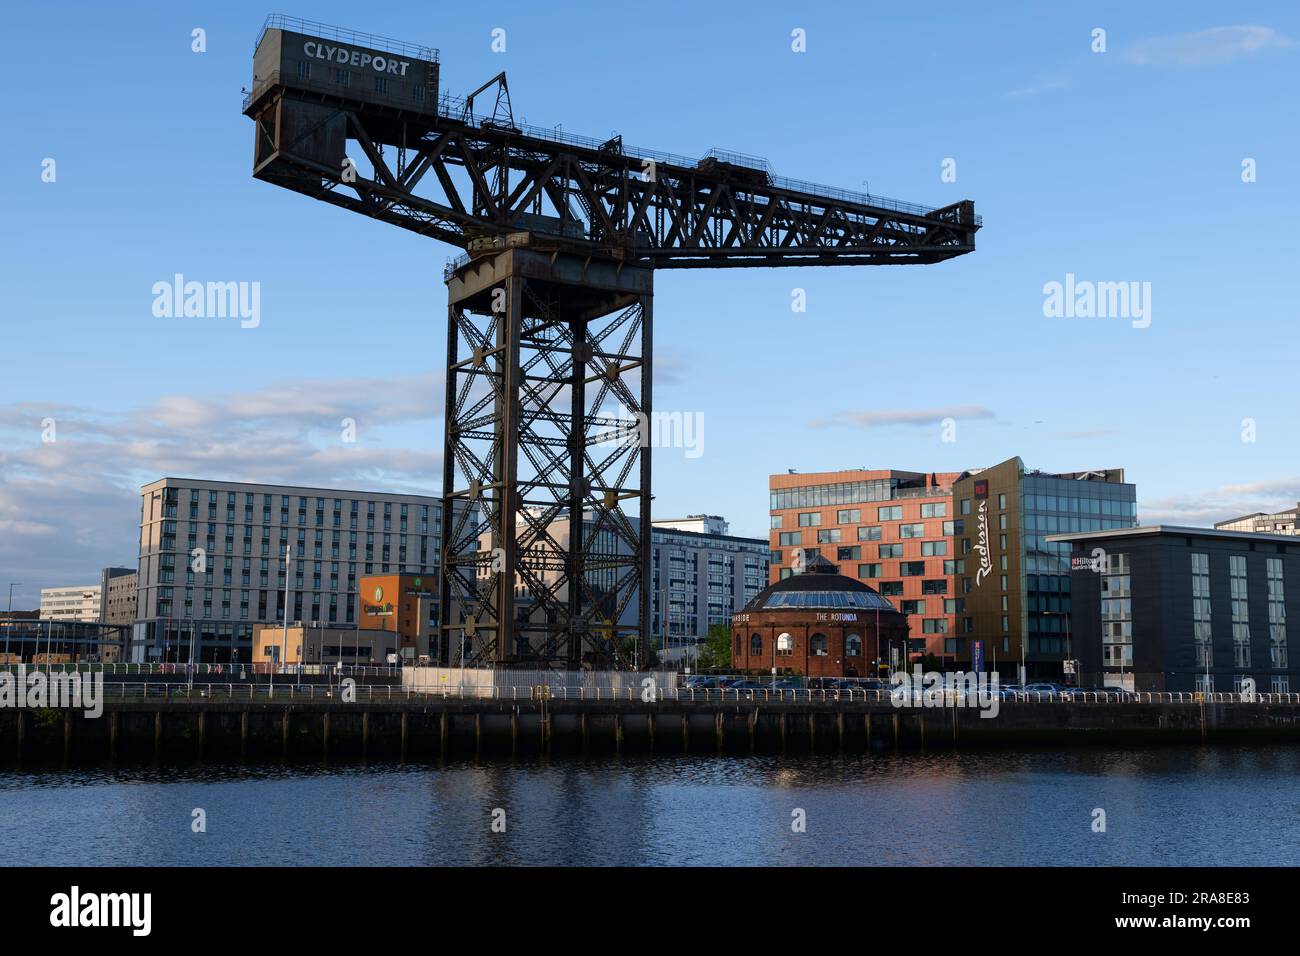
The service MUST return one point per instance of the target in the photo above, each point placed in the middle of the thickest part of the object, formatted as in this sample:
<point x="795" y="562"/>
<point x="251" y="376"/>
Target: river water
<point x="1173" y="806"/>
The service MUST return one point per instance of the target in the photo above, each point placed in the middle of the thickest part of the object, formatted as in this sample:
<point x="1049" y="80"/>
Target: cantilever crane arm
<point x="472" y="182"/>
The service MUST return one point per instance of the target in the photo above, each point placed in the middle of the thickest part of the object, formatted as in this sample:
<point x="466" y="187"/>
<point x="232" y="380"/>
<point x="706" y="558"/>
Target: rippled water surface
<point x="1162" y="807"/>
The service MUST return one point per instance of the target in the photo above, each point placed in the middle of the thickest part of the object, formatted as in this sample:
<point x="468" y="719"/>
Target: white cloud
<point x="1048" y="85"/>
<point x="872" y="418"/>
<point x="1215" y="45"/>
<point x="1220" y="504"/>
<point x="70" y="507"/>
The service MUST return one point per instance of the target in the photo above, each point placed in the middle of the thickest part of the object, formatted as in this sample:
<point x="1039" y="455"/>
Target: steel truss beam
<point x="547" y="374"/>
<point x="466" y="181"/>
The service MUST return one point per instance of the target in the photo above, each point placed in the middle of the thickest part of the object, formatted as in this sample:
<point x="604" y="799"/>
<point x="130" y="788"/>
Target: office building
<point x="117" y="596"/>
<point x="892" y="530"/>
<point x="1166" y="608"/>
<point x="1261" y="522"/>
<point x="71" y="603"/>
<point x="1016" y="582"/>
<point x="404" y="604"/>
<point x="304" y="644"/>
<point x="212" y="557"/>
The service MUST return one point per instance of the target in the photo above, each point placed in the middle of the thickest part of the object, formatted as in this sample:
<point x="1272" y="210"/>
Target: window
<point x="1002" y="501"/>
<point x="869" y="533"/>
<point x="776" y="521"/>
<point x="965" y="506"/>
<point x="1276" y="616"/>
<point x="911" y="569"/>
<point x="934" y="586"/>
<point x="891" y="551"/>
<point x="851" y="553"/>
<point x="1201" y="627"/>
<point x="785" y="645"/>
<point x="755" y="645"/>
<point x="817" y="646"/>
<point x="911" y="530"/>
<point x="1116" y="613"/>
<point x="912" y="607"/>
<point x="828" y="536"/>
<point x="869" y="570"/>
<point x="931" y="549"/>
<point x="891" y="588"/>
<point x="848" y="516"/>
<point x="343" y="77"/>
<point x="786" y="538"/>
<point x="934" y="625"/>
<point x="1239" y="591"/>
<point x="810" y="519"/>
<point x="853" y="646"/>
<point x="935" y="509"/>
<point x="890" y="513"/>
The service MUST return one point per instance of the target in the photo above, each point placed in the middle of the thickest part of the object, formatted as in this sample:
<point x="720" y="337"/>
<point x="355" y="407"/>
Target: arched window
<point x="817" y="645"/>
<point x="756" y="645"/>
<point x="738" y="645"/>
<point x="853" y="646"/>
<point x="785" y="644"/>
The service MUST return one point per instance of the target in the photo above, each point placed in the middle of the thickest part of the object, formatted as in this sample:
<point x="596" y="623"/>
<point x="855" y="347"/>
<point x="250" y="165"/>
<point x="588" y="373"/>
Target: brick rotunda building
<point x="817" y="623"/>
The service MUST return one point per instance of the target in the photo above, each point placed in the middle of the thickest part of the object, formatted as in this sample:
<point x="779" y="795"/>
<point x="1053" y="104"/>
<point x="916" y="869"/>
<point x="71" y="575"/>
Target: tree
<point x="628" y="651"/>
<point x="716" y="652"/>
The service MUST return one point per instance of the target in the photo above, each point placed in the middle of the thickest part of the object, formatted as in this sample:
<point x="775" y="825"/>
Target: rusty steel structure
<point x="546" y="475"/>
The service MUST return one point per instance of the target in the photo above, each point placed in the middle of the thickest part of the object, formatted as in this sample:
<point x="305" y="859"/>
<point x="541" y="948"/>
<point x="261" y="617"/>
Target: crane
<point x="545" y="555"/>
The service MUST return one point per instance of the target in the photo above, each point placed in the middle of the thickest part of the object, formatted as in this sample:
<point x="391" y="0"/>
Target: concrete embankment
<point x="429" y="728"/>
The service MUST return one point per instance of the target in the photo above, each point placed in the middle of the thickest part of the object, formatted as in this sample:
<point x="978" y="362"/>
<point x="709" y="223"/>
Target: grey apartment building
<point x="212" y="559"/>
<point x="700" y="576"/>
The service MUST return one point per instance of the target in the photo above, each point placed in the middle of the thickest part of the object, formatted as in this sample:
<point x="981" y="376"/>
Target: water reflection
<point x="1209" y="806"/>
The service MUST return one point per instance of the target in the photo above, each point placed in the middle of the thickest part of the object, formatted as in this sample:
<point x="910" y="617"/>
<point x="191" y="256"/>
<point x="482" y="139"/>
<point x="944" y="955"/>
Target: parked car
<point x="786" y="683"/>
<point x="1042" y="688"/>
<point x="747" y="685"/>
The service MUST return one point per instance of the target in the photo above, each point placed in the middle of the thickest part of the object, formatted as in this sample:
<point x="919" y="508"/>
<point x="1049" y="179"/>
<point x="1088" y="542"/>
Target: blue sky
<point x="1116" y="166"/>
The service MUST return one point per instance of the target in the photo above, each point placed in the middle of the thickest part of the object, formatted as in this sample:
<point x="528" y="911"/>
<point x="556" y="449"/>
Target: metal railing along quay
<point x="237" y="672"/>
<point x="233" y="691"/>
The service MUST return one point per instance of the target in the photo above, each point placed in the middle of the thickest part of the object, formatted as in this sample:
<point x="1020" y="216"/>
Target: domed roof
<point x="821" y="589"/>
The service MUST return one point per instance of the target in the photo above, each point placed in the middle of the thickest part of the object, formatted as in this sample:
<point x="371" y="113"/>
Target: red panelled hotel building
<point x="890" y="529"/>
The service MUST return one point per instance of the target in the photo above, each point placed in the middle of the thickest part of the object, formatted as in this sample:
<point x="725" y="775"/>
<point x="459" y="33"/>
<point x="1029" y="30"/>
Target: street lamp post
<point x="284" y="632"/>
<point x="9" y="625"/>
